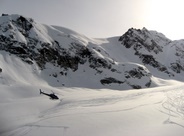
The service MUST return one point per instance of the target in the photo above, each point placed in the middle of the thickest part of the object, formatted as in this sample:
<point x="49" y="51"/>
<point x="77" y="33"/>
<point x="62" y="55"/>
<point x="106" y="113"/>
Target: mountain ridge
<point x="66" y="58"/>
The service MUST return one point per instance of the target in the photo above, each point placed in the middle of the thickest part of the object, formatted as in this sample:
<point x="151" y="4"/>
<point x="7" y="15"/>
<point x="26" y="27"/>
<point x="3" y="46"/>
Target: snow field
<point x="99" y="112"/>
<point x="85" y="109"/>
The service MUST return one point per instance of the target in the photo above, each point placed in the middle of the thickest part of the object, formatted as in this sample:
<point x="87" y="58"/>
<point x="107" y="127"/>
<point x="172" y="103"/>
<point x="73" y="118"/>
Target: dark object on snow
<point x="4" y="14"/>
<point x="1" y="70"/>
<point x="52" y="95"/>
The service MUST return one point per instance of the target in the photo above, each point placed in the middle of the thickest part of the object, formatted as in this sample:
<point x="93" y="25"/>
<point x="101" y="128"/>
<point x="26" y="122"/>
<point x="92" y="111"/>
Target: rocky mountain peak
<point x="151" y="41"/>
<point x="76" y="59"/>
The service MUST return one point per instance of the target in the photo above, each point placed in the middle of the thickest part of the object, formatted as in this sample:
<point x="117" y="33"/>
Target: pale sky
<point x="104" y="18"/>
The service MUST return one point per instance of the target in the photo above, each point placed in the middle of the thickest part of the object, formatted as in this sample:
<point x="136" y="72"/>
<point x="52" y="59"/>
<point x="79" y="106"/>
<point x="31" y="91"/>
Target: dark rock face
<point x="136" y="73"/>
<point x="25" y="24"/>
<point x="137" y="39"/>
<point x="150" y="60"/>
<point x="146" y="46"/>
<point x="54" y="53"/>
<point x="110" y="80"/>
<point x="176" y="67"/>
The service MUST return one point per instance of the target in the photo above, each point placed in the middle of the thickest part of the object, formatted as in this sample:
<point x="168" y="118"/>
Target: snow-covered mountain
<point x="62" y="57"/>
<point x="87" y="74"/>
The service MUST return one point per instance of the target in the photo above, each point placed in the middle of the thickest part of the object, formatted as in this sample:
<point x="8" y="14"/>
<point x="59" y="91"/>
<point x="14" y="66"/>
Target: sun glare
<point x="166" y="17"/>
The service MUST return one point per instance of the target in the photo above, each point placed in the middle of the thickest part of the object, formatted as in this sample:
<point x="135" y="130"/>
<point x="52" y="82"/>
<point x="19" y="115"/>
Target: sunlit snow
<point x="83" y="108"/>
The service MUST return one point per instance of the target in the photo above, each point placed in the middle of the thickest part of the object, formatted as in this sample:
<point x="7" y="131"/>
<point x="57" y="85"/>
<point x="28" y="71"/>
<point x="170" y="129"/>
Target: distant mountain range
<point x="61" y="57"/>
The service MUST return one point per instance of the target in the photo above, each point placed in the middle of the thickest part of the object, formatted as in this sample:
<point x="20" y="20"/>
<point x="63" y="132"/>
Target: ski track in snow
<point x="56" y="112"/>
<point x="173" y="105"/>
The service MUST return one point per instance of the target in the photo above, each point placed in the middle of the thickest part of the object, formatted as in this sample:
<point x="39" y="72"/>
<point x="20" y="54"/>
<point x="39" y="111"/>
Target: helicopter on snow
<point x="52" y="95"/>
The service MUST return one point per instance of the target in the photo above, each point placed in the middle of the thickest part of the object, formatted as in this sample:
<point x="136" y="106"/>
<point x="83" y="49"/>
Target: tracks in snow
<point x="174" y="107"/>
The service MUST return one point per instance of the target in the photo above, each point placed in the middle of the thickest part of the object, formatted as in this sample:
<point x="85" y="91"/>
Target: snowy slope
<point x="137" y="59"/>
<point x="151" y="112"/>
<point x="65" y="56"/>
<point x="83" y="111"/>
<point x="91" y="78"/>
